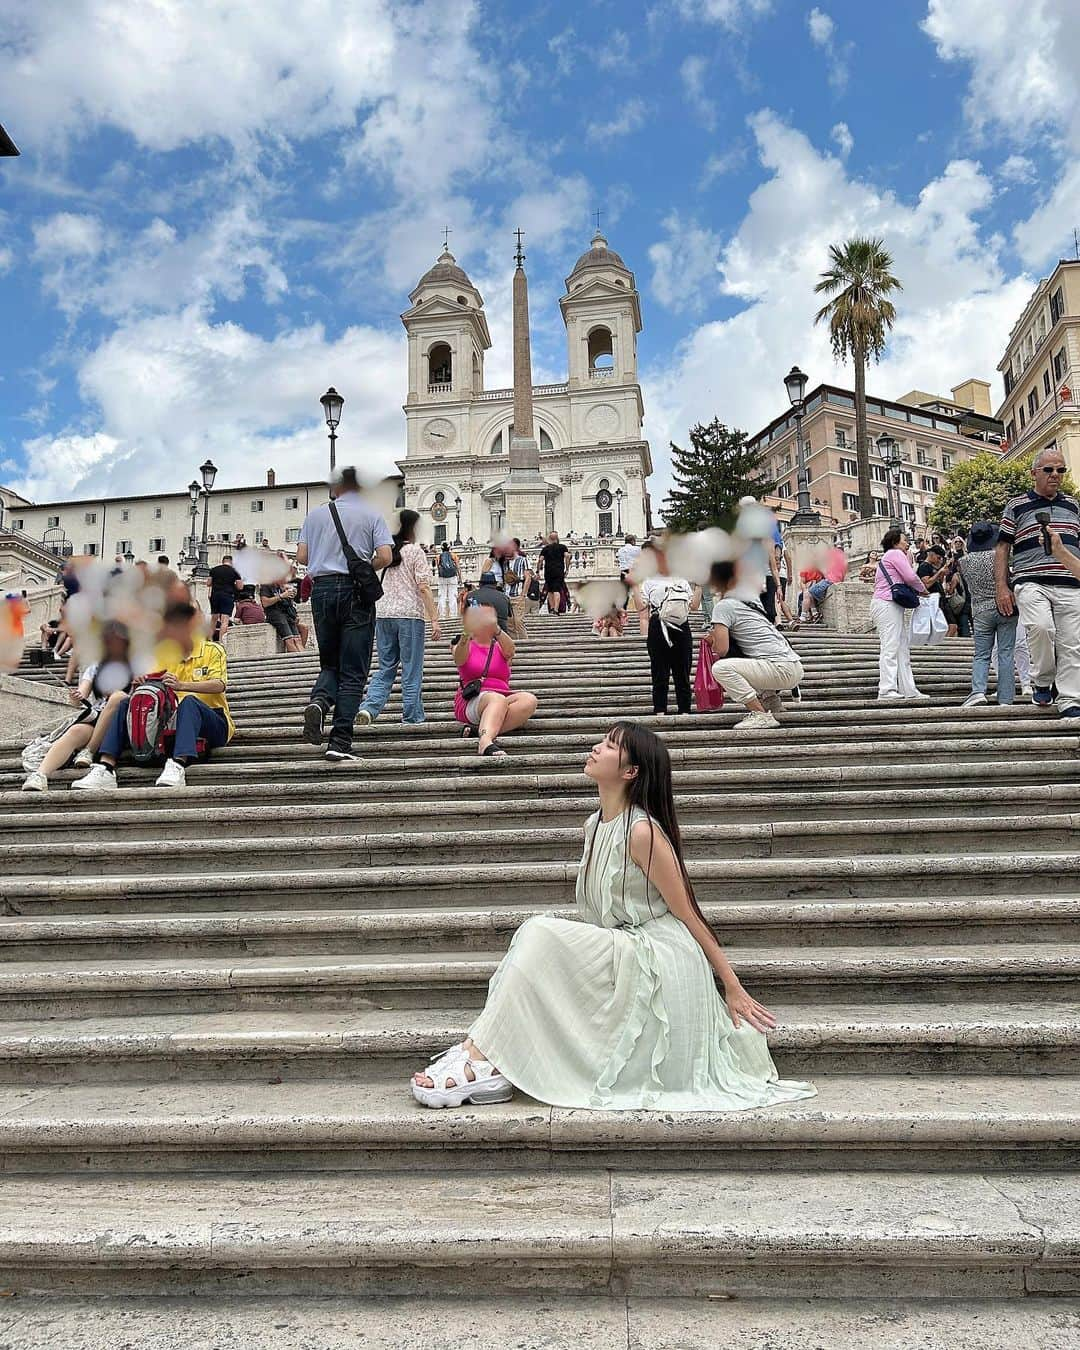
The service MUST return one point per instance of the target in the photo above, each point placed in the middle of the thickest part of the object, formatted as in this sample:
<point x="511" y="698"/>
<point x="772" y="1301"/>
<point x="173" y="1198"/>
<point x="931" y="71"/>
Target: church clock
<point x="438" y="434"/>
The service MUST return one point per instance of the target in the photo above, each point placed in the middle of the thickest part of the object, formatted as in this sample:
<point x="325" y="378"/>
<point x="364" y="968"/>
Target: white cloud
<point x="822" y="30"/>
<point x="692" y="73"/>
<point x="630" y="117"/>
<point x="1017" y="169"/>
<point x="684" y="263"/>
<point x="729" y="13"/>
<point x="170" y="389"/>
<point x="615" y="54"/>
<point x="845" y="141"/>
<point x="717" y="166"/>
<point x="954" y="313"/>
<point x="564" y="48"/>
<point x="68" y="235"/>
<point x="1025" y="82"/>
<point x="6" y="259"/>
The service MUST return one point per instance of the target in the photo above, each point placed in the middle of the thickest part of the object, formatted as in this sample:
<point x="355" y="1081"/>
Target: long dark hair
<point x="651" y="790"/>
<point x="404" y="534"/>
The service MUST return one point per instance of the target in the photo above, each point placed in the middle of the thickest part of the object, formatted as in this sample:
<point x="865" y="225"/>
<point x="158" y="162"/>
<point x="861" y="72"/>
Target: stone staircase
<point x="204" y="1046"/>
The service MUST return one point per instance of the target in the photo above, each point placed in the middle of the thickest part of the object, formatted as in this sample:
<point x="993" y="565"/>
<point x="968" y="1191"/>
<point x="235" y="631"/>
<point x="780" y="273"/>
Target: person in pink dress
<point x="483" y="655"/>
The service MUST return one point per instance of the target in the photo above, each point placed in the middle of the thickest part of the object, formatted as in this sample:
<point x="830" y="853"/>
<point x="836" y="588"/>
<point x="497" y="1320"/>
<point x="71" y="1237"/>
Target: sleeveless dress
<point x="618" y="1009"/>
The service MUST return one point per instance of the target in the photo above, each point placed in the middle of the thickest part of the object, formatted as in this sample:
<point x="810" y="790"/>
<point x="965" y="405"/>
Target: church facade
<point x="593" y="457"/>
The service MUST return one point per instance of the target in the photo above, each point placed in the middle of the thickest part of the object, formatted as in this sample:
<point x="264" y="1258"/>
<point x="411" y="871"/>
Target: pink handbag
<point x="708" y="693"/>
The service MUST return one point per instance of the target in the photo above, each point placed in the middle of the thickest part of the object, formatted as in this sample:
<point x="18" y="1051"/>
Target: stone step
<point x="741" y="1234"/>
<point x="759" y="923"/>
<point x="932" y="1122"/>
<point x="1032" y="1039"/>
<point x="545" y="842"/>
<point x="387" y="979"/>
<point x="542" y="1322"/>
<point x="803" y="879"/>
<point x="140" y="820"/>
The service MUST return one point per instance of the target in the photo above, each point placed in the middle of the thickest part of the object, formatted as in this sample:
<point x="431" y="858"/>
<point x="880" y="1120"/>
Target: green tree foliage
<point x="711" y="476"/>
<point x="859" y="278"/>
<point x="977" y="489"/>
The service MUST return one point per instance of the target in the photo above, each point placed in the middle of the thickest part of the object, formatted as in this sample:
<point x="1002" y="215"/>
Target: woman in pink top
<point x="484" y="647"/>
<point x="893" y="621"/>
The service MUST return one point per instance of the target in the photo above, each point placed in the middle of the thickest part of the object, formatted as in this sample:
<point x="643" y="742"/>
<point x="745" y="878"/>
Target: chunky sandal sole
<point x="477" y="1094"/>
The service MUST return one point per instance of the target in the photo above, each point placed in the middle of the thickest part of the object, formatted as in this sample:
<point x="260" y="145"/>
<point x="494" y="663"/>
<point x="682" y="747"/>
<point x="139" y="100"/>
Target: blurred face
<point x="481" y="621"/>
<point x="553" y="538"/>
<point x="606" y="763"/>
<point x="904" y="542"/>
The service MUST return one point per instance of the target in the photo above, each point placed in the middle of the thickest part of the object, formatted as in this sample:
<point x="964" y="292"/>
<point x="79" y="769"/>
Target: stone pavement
<point x="203" y="1058"/>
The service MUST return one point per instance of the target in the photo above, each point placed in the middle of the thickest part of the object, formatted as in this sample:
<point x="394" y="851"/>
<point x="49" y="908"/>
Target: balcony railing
<point x="539" y="390"/>
<point x="605" y="373"/>
<point x="440" y="388"/>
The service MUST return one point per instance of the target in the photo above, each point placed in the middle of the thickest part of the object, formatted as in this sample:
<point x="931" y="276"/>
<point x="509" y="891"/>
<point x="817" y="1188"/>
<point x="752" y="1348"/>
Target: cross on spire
<point x="447" y="232"/>
<point x="598" y="214"/>
<point x="519" y="256"/>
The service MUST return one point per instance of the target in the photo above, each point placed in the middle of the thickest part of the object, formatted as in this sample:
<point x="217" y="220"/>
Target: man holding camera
<point x="1047" y="593"/>
<point x="344" y="619"/>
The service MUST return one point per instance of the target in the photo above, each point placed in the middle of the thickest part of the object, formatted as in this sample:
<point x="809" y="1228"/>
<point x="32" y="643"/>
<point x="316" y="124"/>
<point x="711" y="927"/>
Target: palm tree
<point x="860" y="315"/>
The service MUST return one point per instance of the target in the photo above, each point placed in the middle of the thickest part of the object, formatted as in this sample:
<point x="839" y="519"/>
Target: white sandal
<point x="487" y="1085"/>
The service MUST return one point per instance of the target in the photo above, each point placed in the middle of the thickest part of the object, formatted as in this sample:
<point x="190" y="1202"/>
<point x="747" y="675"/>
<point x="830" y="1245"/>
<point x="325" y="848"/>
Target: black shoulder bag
<point x="472" y="689"/>
<point x="367" y="588"/>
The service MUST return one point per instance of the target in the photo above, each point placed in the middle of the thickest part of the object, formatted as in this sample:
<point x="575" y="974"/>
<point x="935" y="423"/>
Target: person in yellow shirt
<point x="196" y="669"/>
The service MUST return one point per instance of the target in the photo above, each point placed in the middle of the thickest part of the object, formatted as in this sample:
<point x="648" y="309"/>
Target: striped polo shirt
<point x="1030" y="561"/>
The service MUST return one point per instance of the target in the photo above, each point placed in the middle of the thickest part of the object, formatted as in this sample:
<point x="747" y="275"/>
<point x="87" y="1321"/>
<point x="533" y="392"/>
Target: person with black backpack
<point x="755" y="662"/>
<point x="343" y="544"/>
<point x="448" y="571"/>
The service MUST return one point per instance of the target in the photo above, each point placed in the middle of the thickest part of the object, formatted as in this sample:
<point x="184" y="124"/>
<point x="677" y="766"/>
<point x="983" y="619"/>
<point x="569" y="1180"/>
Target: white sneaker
<point x="82" y="760"/>
<point x="974" y="701"/>
<point x="173" y="775"/>
<point x="925" y="698"/>
<point x="890" y="697"/>
<point x="36" y="782"/>
<point x="756" y="721"/>
<point x="1025" y="691"/>
<point x="99" y="779"/>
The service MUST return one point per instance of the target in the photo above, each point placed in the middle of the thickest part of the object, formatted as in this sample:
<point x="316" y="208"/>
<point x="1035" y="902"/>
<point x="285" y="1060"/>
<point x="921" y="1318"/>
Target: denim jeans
<point x="345" y="632"/>
<point x="195" y="721"/>
<point x="400" y="642"/>
<point x="989" y="624"/>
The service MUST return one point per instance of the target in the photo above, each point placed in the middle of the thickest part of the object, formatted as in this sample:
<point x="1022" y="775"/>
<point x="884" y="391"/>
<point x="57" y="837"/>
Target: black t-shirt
<point x="554" y="556"/>
<point x="223" y="579"/>
<point x="924" y="571"/>
<point x="491" y="595"/>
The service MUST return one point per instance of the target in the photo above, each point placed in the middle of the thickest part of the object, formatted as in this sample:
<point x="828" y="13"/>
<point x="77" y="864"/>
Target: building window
<point x="1060" y="364"/>
<point x="91" y="549"/>
<point x="256" y="506"/>
<point x="850" y="501"/>
<point x="1046" y="382"/>
<point x="908" y="509"/>
<point x="946" y="460"/>
<point x="90" y="518"/>
<point x="226" y="507"/>
<point x="906" y="479"/>
<point x="157" y="546"/>
<point x="1008" y="381"/>
<point x="157" y="512"/>
<point x="292" y="503"/>
<point x="1023" y="419"/>
<point x="925" y="458"/>
<point x="784" y="490"/>
<point x="841" y="438"/>
<point x="881" y="506"/>
<point x="1033" y="403"/>
<point x="929" y="483"/>
<point x="440" y="534"/>
<point x="19" y="524"/>
<point x="123" y="546"/>
<point x="292" y="536"/>
<point x="260" y="535"/>
<point x="603" y="524"/>
<point x="849" y="468"/>
<point x="1057" y="305"/>
<point x="125" y="514"/>
<point x="879" y="472"/>
<point x="1010" y="431"/>
<point x="53" y="522"/>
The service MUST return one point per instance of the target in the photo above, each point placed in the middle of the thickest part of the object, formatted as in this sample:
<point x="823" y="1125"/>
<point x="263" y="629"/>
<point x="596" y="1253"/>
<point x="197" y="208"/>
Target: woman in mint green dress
<point x="618" y="1009"/>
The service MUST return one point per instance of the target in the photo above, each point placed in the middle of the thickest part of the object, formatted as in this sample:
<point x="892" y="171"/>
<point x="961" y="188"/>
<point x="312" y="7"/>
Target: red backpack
<point x="151" y="714"/>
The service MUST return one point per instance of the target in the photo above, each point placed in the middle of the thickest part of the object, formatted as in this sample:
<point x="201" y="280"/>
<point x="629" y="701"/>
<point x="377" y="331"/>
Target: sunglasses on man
<point x="1051" y="469"/>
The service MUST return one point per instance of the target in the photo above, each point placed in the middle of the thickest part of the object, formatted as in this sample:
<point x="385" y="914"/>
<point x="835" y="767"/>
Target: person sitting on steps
<point x="619" y="1009"/>
<point x="196" y="669"/>
<point x="483" y="655"/>
<point x="754" y="661"/>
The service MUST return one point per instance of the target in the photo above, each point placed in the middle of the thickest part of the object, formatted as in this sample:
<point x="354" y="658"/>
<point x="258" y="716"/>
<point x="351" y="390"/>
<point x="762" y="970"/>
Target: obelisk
<point x="524" y="491"/>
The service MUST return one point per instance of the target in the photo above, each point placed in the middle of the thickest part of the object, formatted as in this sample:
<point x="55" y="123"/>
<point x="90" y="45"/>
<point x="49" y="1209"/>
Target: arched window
<point x="501" y="442"/>
<point x="601" y="350"/>
<point x="440" y="368"/>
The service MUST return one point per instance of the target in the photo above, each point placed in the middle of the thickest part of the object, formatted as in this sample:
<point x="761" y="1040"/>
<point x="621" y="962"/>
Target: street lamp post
<point x="332" y="403"/>
<point x="457" y="508"/>
<point x="194" y="490"/>
<point x="209" y="473"/>
<point x="889" y="450"/>
<point x="619" y="494"/>
<point x="795" y="384"/>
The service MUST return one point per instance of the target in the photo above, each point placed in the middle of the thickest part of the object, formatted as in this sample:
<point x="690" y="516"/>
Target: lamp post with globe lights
<point x="457" y="531"/>
<point x="194" y="491"/>
<point x="619" y="494"/>
<point x="795" y="384"/>
<point x="208" y="470"/>
<point x="332" y="403"/>
<point x="889" y="450"/>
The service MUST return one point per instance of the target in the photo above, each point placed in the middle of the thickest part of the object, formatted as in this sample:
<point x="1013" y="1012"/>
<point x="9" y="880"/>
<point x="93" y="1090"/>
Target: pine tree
<point x="711" y="477"/>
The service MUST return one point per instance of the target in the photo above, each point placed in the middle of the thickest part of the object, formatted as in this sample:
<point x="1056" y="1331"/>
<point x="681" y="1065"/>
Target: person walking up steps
<point x="449" y="579"/>
<point x="991" y="626"/>
<point x="400" y="630"/>
<point x="342" y="605"/>
<point x="619" y="1010"/>
<point x="893" y="621"/>
<point x="755" y="662"/>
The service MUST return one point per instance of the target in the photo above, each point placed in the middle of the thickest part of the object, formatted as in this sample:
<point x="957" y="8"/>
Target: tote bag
<point x="708" y="693"/>
<point x="928" y="625"/>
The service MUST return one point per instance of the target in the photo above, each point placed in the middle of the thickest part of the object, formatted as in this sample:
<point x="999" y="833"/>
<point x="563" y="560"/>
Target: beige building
<point x="1041" y="369"/>
<point x="932" y="432"/>
<point x="593" y="456"/>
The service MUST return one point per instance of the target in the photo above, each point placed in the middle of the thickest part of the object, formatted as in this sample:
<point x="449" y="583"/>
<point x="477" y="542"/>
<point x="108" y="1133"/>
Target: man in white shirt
<point x="628" y="555"/>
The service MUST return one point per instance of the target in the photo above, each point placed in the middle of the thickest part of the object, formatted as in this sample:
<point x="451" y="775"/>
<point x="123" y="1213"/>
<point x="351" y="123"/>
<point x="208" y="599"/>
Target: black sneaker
<point x="314" y="716"/>
<point x="796" y="694"/>
<point x="338" y="750"/>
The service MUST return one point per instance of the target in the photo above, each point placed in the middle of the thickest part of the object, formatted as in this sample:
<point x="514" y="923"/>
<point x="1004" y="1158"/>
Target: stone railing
<point x="583" y="561"/>
<point x="440" y="388"/>
<point x="602" y="374"/>
<point x="495" y="395"/>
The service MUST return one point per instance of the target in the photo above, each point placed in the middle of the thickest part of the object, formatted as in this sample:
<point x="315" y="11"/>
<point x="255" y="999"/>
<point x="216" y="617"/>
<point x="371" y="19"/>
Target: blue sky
<point x="220" y="207"/>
